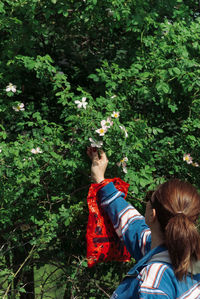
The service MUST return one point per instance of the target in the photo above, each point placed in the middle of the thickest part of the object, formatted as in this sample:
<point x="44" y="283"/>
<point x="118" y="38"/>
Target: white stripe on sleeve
<point x="127" y="216"/>
<point x="193" y="293"/>
<point x="106" y="202"/>
<point x="151" y="278"/>
<point x="143" y="239"/>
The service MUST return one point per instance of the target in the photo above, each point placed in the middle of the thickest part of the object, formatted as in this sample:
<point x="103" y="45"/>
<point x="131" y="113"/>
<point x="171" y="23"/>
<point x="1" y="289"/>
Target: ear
<point x="153" y="216"/>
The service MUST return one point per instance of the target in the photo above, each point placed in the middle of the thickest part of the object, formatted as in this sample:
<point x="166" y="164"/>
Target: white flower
<point x="123" y="164"/>
<point x="0" y="150"/>
<point x="101" y="131"/>
<point x="114" y="96"/>
<point x="125" y="131"/>
<point x="82" y="103"/>
<point x="106" y="123"/>
<point x="187" y="158"/>
<point x="36" y="150"/>
<point x="11" y="87"/>
<point x="115" y="114"/>
<point x="19" y="107"/>
<point x="124" y="168"/>
<point x="95" y="143"/>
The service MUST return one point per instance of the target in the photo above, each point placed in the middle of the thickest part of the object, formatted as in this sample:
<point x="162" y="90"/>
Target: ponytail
<point x="177" y="206"/>
<point x="183" y="243"/>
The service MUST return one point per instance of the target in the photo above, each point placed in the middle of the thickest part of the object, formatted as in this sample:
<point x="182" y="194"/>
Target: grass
<point x="48" y="283"/>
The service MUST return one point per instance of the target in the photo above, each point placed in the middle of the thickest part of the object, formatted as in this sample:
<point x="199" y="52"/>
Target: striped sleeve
<point x="150" y="282"/>
<point x="129" y="224"/>
<point x="192" y="293"/>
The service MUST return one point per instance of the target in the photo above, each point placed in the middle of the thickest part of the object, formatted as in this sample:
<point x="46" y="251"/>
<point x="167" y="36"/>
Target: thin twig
<point x="79" y="189"/>
<point x="21" y="266"/>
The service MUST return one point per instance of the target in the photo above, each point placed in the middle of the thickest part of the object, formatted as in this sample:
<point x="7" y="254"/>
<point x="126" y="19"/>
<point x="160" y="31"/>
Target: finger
<point x="94" y="154"/>
<point x="103" y="155"/>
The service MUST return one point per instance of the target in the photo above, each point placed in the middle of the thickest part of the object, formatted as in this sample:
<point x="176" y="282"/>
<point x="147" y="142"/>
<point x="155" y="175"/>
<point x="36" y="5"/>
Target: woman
<point x="165" y="244"/>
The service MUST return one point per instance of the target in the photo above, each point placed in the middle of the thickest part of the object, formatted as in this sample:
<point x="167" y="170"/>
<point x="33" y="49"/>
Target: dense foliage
<point x="65" y="66"/>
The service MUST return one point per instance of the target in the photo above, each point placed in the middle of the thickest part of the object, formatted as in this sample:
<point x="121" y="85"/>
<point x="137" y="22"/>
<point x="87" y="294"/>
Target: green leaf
<point x="173" y="107"/>
<point x="84" y="264"/>
<point x="94" y="77"/>
<point x="47" y="130"/>
<point x="143" y="182"/>
<point x="176" y="70"/>
<point x="162" y="87"/>
<point x="2" y="8"/>
<point x="54" y="155"/>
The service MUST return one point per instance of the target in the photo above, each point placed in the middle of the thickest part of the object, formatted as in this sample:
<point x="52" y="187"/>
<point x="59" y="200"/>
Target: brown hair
<point x="177" y="206"/>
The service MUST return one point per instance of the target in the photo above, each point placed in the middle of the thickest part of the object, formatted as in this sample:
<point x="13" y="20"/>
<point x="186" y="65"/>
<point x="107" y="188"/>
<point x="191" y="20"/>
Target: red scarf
<point x="103" y="244"/>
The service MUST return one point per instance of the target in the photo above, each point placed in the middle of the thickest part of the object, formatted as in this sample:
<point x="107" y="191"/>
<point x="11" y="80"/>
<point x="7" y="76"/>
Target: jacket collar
<point x="164" y="257"/>
<point x="160" y="254"/>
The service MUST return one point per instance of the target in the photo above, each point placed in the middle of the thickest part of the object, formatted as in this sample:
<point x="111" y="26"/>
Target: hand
<point x="99" y="164"/>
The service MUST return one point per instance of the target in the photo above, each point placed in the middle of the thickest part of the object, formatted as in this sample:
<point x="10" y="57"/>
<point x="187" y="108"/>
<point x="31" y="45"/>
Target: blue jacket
<point x="152" y="276"/>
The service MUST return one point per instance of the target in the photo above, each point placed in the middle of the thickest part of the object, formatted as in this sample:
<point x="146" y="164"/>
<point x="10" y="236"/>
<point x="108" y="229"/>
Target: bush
<point x="68" y="69"/>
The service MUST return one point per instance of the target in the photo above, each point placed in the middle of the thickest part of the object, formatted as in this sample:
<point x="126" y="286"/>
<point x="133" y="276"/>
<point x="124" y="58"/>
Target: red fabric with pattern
<point x="103" y="244"/>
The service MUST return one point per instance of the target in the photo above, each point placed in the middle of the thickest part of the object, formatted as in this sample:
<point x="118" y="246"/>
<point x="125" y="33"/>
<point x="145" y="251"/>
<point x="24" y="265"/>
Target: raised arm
<point x="129" y="224"/>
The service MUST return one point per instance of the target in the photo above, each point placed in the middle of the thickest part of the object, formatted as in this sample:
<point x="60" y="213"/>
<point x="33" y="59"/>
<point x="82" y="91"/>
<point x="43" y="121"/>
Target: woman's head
<point x="177" y="206"/>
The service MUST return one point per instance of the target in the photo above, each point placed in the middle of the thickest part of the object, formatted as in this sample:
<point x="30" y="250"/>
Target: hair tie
<point x="178" y="213"/>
